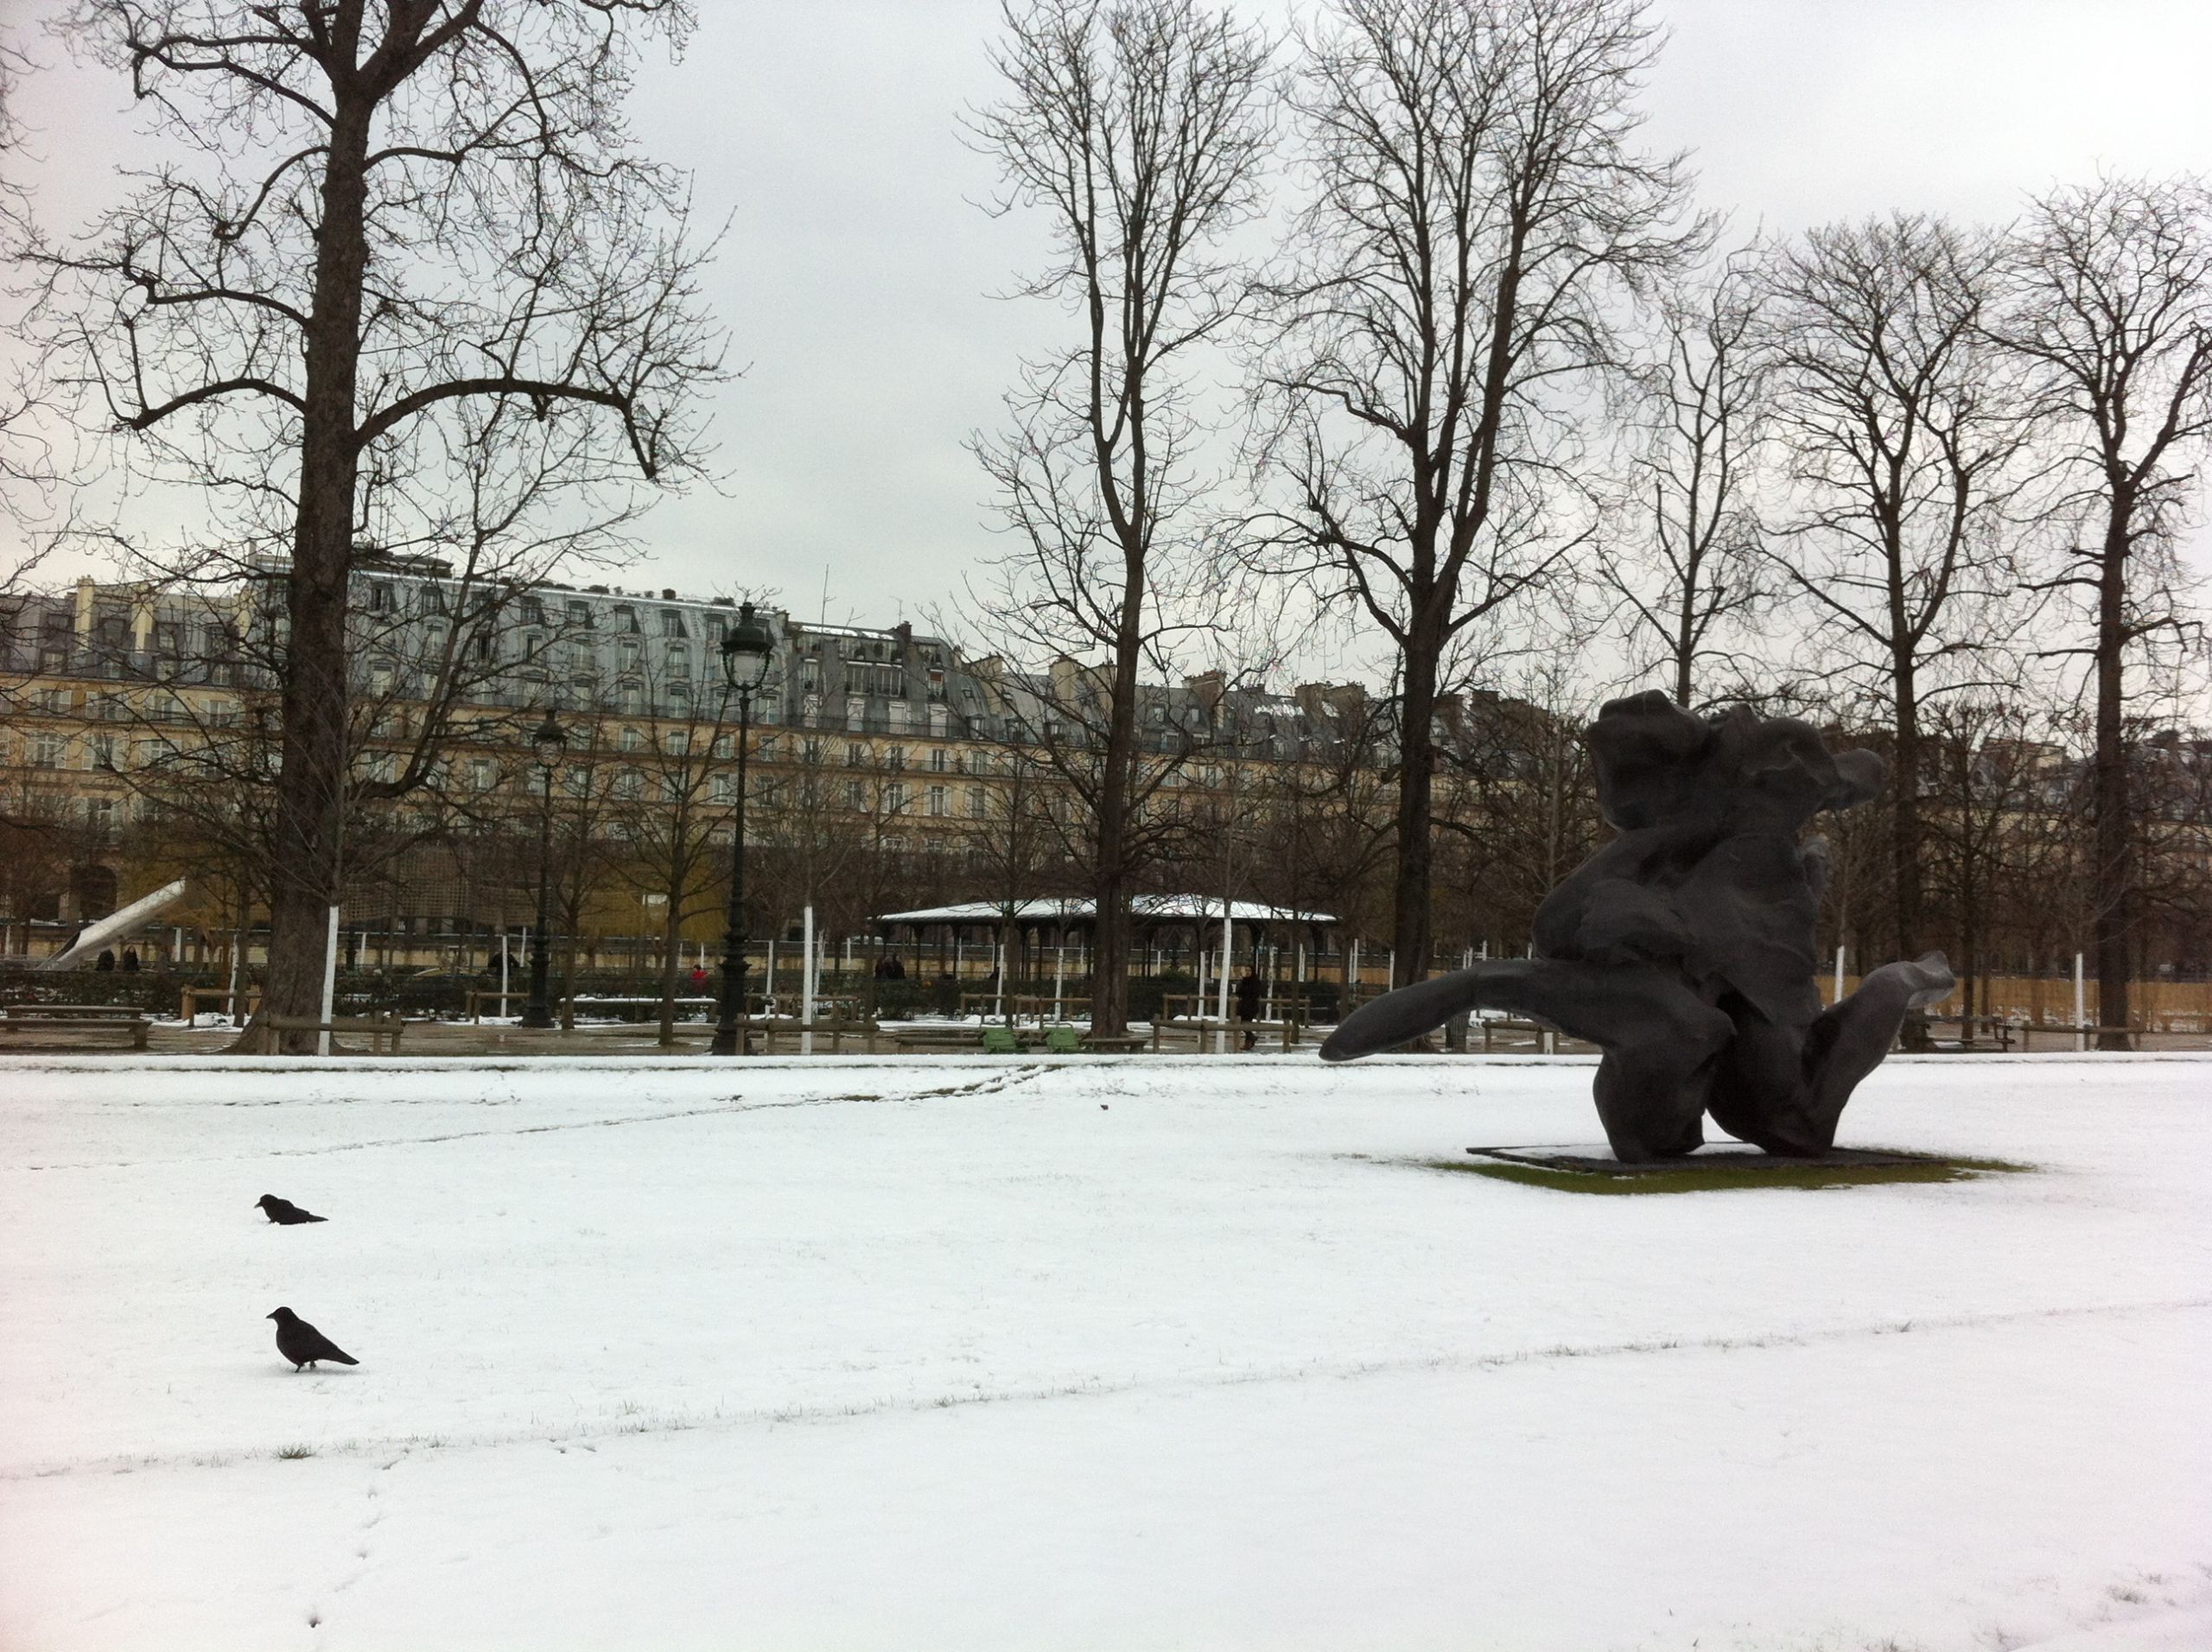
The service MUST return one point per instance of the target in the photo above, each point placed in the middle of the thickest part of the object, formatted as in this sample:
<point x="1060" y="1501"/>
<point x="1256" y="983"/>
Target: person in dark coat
<point x="105" y="960"/>
<point x="131" y="961"/>
<point x="1248" y="1007"/>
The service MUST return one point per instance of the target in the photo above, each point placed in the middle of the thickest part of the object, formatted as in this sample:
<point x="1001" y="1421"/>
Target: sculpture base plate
<point x="1591" y="1168"/>
<point x="1597" y="1160"/>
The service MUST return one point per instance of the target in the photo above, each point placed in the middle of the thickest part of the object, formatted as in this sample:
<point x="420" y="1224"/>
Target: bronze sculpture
<point x="1684" y="948"/>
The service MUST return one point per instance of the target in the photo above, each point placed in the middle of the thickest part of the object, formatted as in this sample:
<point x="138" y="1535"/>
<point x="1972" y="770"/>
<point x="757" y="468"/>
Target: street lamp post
<point x="749" y="649"/>
<point x="550" y="740"/>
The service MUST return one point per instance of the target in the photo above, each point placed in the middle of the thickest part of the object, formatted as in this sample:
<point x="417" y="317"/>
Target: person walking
<point x="1247" y="1005"/>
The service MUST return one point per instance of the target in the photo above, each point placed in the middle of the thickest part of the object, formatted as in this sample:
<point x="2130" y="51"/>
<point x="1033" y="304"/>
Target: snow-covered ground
<point x="1161" y="1353"/>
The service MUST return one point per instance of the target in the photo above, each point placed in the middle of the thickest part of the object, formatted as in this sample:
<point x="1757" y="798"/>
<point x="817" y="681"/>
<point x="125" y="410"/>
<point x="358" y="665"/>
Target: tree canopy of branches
<point x="1478" y="206"/>
<point x="2108" y="298"/>
<point x="1902" y="436"/>
<point x="401" y="241"/>
<point x="1684" y="561"/>
<point x="1138" y="130"/>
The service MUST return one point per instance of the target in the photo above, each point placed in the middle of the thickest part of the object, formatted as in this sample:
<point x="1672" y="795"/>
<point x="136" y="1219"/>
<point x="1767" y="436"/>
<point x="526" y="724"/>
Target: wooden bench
<point x="1115" y="1043"/>
<point x="940" y="1039"/>
<point x="109" y="1018"/>
<point x="376" y="1028"/>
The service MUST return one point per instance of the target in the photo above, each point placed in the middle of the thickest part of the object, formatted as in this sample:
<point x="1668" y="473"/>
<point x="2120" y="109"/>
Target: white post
<point x="1390" y="967"/>
<point x="768" y="980"/>
<point x="503" y="969"/>
<point x="998" y="975"/>
<point x="237" y="951"/>
<point x="1838" y="999"/>
<point x="806" y="987"/>
<point x="1228" y="940"/>
<point x="329" y="981"/>
<point x="1059" y="971"/>
<point x="1351" y="979"/>
<point x="2080" y="1006"/>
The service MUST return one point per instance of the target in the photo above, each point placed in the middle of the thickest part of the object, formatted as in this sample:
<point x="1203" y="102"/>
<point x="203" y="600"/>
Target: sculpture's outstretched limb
<point x="1660" y="1039"/>
<point x="1849" y="1040"/>
<point x="1784" y="1090"/>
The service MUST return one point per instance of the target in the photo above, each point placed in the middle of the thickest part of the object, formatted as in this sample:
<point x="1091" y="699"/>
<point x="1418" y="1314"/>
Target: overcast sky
<point x="857" y="276"/>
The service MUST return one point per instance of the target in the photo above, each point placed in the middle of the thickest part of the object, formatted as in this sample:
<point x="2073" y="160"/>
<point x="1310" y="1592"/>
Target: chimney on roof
<point x="667" y="594"/>
<point x="1208" y="688"/>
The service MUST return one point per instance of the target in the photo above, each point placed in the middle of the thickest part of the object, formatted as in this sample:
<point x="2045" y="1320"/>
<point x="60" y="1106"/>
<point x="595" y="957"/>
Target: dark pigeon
<point x="301" y="1344"/>
<point x="285" y="1211"/>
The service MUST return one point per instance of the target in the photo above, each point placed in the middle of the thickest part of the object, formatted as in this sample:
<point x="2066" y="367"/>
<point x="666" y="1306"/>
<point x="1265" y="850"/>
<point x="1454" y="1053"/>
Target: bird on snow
<point x="301" y="1344"/>
<point x="285" y="1211"/>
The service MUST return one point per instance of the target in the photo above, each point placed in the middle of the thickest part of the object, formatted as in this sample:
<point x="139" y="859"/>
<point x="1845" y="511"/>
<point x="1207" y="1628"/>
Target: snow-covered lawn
<point x="1161" y="1353"/>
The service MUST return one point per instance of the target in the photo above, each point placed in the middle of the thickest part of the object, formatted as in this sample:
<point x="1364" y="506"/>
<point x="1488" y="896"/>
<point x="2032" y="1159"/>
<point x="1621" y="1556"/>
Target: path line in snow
<point x="1079" y="1387"/>
<point x="991" y="1086"/>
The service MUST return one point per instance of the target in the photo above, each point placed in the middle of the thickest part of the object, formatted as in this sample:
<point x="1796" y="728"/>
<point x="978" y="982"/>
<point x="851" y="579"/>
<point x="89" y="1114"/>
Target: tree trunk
<point x="1110" y="888"/>
<point x="671" y="958"/>
<point x="1410" y="932"/>
<point x="2114" y="876"/>
<point x="311" y="788"/>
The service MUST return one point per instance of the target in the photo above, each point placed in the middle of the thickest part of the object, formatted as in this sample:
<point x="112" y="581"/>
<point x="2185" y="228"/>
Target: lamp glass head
<point x="748" y="648"/>
<point x="551" y="739"/>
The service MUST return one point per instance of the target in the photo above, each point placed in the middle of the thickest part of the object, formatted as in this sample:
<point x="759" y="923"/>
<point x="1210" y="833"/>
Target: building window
<point x="724" y="788"/>
<point x="856" y="795"/>
<point x="937" y="804"/>
<point x="630" y="784"/>
<point x="580" y="615"/>
<point x="679" y="660"/>
<point x="104" y="752"/>
<point x="856" y="755"/>
<point x="48" y="751"/>
<point x="626" y="619"/>
<point x="894" y="798"/>
<point x="671" y="623"/>
<point x="578" y="781"/>
<point x="978" y="802"/>
<point x="633" y="741"/>
<point x="483" y="774"/>
<point x="811" y="753"/>
<point x="936" y="759"/>
<point x="380" y="597"/>
<point x="895" y="758"/>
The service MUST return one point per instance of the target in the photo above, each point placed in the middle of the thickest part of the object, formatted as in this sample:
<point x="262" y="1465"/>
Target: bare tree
<point x="1138" y="128"/>
<point x="406" y="232"/>
<point x="675" y="803"/>
<point x="2107" y="297"/>
<point x="1478" y="207"/>
<point x="1902" y="436"/>
<point x="1683" y="557"/>
<point x="28" y="468"/>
